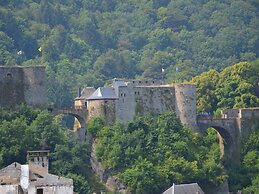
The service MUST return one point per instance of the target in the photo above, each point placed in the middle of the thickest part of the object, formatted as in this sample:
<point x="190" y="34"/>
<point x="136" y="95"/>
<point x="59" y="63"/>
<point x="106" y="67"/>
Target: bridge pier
<point x="229" y="132"/>
<point x="80" y="115"/>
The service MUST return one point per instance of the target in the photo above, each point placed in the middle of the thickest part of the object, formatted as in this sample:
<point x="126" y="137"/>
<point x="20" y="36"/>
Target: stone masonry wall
<point x="11" y="87"/>
<point x="185" y="105"/>
<point x="154" y="100"/>
<point x="22" y="85"/>
<point x="125" y="105"/>
<point x="102" y="108"/>
<point x="35" y="86"/>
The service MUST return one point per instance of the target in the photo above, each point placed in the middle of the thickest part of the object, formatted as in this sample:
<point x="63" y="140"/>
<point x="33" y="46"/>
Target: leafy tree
<point x="151" y="149"/>
<point x="235" y="87"/>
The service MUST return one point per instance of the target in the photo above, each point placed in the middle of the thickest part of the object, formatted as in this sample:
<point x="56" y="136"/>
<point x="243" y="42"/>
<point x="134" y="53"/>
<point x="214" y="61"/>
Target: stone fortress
<point x="22" y="85"/>
<point x="123" y="100"/>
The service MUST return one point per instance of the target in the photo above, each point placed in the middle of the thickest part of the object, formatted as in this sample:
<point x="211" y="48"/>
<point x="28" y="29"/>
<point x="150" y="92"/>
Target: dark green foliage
<point x="28" y="129"/>
<point x="152" y="153"/>
<point x="245" y="177"/>
<point x="236" y="86"/>
<point x="87" y="42"/>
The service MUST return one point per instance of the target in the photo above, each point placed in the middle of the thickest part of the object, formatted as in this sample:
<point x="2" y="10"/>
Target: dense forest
<point x="151" y="153"/>
<point x="29" y="129"/>
<point x="88" y="42"/>
<point x="148" y="154"/>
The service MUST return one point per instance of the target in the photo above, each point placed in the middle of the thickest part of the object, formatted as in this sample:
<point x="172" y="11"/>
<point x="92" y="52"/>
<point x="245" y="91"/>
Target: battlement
<point x="240" y="113"/>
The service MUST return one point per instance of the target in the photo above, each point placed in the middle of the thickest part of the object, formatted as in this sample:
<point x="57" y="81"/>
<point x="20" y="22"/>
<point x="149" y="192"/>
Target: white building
<point x="33" y="178"/>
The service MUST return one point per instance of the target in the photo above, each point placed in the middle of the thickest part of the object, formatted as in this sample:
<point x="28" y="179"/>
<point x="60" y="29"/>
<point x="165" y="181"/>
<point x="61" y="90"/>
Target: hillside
<point x="88" y="42"/>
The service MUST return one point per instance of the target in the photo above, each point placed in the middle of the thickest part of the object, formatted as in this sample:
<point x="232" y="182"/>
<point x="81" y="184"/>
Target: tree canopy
<point x="27" y="129"/>
<point x="92" y="41"/>
<point x="236" y="86"/>
<point x="152" y="153"/>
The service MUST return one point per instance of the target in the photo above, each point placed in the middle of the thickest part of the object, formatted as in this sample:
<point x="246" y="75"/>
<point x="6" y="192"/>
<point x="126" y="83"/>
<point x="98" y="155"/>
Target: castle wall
<point x="22" y="85"/>
<point x="11" y="87"/>
<point x="102" y="108"/>
<point x="35" y="86"/>
<point x="185" y="105"/>
<point x="125" y="105"/>
<point x="231" y="113"/>
<point x="142" y="100"/>
<point x="154" y="100"/>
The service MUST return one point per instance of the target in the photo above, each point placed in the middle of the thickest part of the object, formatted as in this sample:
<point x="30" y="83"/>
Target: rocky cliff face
<point x="112" y="183"/>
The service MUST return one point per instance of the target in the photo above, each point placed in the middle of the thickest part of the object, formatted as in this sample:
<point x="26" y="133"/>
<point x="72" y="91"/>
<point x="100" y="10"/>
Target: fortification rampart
<point x="22" y="85"/>
<point x="185" y="95"/>
<point x="11" y="87"/>
<point x="141" y="97"/>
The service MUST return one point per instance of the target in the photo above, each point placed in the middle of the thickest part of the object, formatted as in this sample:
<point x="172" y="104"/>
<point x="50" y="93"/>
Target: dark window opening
<point x="39" y="191"/>
<point x="9" y="75"/>
<point x="140" y="82"/>
<point x="124" y="94"/>
<point x="121" y="94"/>
<point x="146" y="82"/>
<point x="43" y="165"/>
<point x="133" y="82"/>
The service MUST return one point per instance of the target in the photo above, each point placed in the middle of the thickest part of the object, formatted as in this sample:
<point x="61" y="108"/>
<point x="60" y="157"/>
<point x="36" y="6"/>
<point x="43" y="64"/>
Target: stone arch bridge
<point x="79" y="113"/>
<point x="234" y="127"/>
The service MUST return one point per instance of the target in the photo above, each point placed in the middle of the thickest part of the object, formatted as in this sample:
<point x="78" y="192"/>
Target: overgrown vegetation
<point x="92" y="41"/>
<point x="28" y="129"/>
<point x="246" y="176"/>
<point x="236" y="86"/>
<point x="152" y="153"/>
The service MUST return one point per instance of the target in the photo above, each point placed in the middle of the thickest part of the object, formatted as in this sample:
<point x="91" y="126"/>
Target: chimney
<point x="78" y="91"/>
<point x="39" y="160"/>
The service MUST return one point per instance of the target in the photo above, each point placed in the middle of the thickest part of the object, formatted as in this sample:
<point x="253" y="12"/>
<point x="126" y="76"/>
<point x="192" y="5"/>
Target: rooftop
<point x="103" y="93"/>
<point x="192" y="188"/>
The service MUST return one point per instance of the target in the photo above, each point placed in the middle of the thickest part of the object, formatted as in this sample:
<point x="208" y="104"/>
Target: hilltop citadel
<point x="123" y="100"/>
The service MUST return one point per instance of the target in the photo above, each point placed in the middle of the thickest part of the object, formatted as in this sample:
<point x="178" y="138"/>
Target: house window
<point x="40" y="191"/>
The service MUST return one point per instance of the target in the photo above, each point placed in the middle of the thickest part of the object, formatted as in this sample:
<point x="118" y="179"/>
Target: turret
<point x="185" y="106"/>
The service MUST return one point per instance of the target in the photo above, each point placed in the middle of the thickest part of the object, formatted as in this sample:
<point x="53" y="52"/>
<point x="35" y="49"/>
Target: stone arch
<point x="225" y="140"/>
<point x="80" y="115"/>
